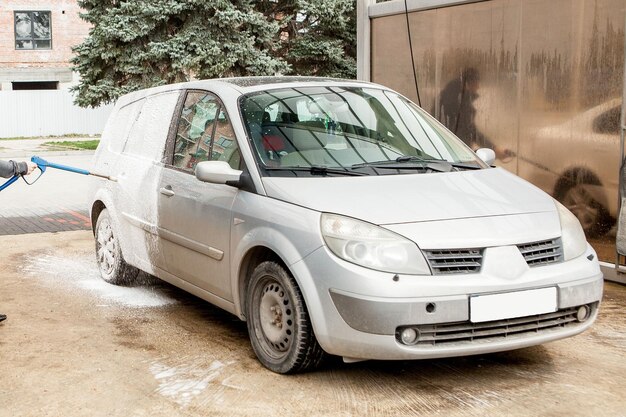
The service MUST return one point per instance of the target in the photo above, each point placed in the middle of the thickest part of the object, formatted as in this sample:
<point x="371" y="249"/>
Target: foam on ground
<point x="83" y="274"/>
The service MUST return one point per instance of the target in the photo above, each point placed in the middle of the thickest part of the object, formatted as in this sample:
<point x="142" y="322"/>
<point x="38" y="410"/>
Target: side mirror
<point x="487" y="155"/>
<point x="217" y="172"/>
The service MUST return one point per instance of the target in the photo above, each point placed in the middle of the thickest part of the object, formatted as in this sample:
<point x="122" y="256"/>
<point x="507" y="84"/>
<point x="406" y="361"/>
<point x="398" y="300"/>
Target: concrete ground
<point x="75" y="346"/>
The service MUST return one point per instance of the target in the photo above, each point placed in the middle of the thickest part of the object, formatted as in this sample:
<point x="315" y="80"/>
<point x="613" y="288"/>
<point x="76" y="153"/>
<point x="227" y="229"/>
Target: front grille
<point x="454" y="261"/>
<point x="467" y="332"/>
<point x="542" y="253"/>
<point x="466" y="261"/>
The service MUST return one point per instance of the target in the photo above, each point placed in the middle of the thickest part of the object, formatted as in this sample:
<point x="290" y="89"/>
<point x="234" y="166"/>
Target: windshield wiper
<point x="409" y="158"/>
<point x="425" y="163"/>
<point x="409" y="162"/>
<point x="318" y="170"/>
<point x="465" y="165"/>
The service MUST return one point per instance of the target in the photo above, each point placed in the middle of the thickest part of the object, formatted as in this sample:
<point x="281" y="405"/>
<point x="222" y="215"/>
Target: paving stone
<point x="37" y="221"/>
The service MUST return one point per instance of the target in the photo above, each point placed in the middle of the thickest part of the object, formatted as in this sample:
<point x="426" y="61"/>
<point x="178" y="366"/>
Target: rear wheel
<point x="113" y="267"/>
<point x="278" y="322"/>
<point x="571" y="191"/>
<point x="593" y="216"/>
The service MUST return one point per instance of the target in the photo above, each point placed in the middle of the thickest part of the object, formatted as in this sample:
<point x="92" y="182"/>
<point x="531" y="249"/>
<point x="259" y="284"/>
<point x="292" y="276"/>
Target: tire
<point x="113" y="268"/>
<point x="594" y="218"/>
<point x="278" y="322"/>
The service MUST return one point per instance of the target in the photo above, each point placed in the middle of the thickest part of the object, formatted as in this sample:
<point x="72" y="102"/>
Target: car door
<point x="194" y="216"/>
<point x="137" y="171"/>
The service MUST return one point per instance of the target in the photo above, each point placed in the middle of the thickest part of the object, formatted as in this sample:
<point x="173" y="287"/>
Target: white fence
<point x="47" y="112"/>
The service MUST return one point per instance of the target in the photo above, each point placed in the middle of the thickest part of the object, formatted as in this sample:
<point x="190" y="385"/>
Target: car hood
<point x="394" y="199"/>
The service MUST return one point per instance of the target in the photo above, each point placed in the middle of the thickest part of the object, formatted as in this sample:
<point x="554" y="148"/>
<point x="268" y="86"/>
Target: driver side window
<point x="204" y="133"/>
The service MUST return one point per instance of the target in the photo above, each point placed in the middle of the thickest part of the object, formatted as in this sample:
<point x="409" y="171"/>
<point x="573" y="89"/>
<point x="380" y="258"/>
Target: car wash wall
<point x="541" y="82"/>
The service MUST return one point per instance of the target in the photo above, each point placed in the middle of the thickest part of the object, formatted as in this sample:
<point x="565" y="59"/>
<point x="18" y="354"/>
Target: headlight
<point x="572" y="234"/>
<point x="371" y="246"/>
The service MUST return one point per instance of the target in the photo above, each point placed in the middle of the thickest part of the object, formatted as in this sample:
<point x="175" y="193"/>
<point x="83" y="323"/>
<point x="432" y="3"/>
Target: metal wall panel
<point x="540" y="81"/>
<point x="391" y="53"/>
<point x="45" y="113"/>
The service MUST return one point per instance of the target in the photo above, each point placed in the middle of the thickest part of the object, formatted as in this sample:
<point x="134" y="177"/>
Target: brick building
<point x="36" y="40"/>
<point x="36" y="37"/>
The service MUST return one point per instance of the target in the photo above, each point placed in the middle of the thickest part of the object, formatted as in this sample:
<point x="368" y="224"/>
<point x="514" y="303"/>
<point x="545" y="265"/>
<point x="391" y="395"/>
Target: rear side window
<point x="149" y="132"/>
<point x="119" y="124"/>
<point x="204" y="133"/>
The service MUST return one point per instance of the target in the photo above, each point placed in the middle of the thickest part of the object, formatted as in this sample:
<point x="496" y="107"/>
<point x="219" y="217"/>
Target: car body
<point x="585" y="175"/>
<point x="335" y="217"/>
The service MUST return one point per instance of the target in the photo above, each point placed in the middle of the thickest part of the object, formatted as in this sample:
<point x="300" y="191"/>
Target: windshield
<point x="334" y="130"/>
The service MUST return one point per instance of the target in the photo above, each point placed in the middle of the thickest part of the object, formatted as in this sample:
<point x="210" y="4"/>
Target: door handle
<point x="167" y="191"/>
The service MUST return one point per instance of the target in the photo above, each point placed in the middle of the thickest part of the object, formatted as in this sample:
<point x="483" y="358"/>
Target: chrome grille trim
<point x="542" y="253"/>
<point x="441" y="335"/>
<point x="454" y="261"/>
<point x="468" y="261"/>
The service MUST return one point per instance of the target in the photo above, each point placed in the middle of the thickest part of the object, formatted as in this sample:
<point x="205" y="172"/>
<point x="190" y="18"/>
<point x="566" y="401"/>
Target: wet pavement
<point x="74" y="345"/>
<point x="42" y="221"/>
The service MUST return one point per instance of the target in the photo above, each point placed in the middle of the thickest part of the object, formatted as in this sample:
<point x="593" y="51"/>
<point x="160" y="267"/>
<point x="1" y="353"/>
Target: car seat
<point x="309" y="147"/>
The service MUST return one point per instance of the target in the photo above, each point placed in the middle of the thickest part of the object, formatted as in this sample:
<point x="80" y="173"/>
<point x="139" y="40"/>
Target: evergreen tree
<point x="136" y="44"/>
<point x="317" y="37"/>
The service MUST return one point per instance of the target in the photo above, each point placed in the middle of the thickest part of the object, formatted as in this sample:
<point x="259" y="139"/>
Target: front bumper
<point x="357" y="313"/>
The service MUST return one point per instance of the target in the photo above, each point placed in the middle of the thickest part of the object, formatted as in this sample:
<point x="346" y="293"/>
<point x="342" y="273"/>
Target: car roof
<point x="265" y="81"/>
<point x="244" y="85"/>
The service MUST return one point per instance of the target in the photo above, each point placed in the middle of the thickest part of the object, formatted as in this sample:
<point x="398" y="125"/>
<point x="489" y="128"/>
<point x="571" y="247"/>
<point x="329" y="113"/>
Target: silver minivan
<point x="335" y="217"/>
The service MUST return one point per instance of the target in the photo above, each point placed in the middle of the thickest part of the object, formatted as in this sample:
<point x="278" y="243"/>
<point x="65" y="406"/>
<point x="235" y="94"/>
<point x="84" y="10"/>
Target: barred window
<point x="33" y="30"/>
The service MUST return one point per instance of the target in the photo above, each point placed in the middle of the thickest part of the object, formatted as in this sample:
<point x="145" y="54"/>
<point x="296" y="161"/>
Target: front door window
<point x="204" y="133"/>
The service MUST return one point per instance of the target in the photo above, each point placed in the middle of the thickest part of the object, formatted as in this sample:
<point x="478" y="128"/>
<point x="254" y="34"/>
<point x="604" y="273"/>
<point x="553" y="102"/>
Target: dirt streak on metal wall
<point x="539" y="81"/>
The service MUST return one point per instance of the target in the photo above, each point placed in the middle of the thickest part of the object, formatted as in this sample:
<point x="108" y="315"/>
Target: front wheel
<point x="113" y="267"/>
<point x="278" y="322"/>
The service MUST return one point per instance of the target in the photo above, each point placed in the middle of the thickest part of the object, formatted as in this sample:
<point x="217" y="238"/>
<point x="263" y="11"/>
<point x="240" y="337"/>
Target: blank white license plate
<point x="512" y="304"/>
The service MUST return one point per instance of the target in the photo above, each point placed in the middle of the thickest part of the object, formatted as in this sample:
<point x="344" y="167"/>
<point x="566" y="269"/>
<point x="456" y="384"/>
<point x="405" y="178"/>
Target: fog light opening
<point x="409" y="336"/>
<point x="583" y="313"/>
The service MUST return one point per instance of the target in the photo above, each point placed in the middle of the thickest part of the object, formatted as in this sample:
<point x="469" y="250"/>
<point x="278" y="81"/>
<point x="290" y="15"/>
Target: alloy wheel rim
<point x="106" y="248"/>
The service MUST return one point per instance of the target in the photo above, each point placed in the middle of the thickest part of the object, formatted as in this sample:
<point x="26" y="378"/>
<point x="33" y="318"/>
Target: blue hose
<point x="9" y="182"/>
